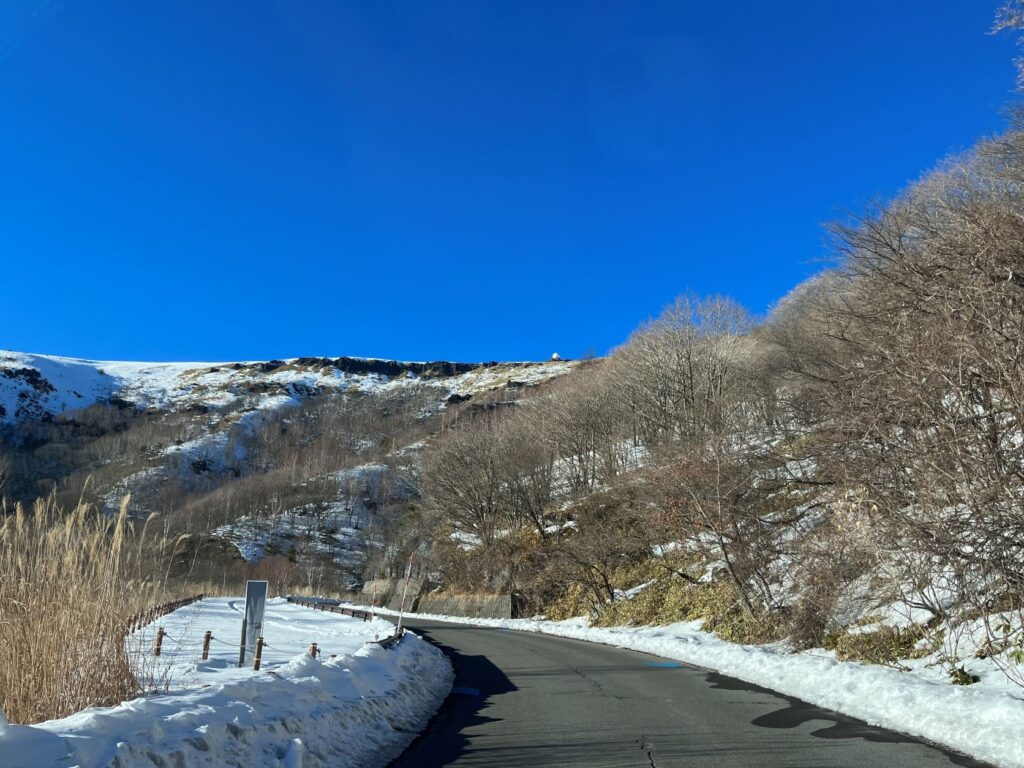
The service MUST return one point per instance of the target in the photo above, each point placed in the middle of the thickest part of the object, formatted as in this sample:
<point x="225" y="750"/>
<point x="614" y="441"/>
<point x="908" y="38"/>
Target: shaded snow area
<point x="335" y="529"/>
<point x="984" y="720"/>
<point x="358" y="704"/>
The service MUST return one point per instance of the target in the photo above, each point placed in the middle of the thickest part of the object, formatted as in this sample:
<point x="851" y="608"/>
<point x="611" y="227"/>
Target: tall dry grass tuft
<point x="68" y="584"/>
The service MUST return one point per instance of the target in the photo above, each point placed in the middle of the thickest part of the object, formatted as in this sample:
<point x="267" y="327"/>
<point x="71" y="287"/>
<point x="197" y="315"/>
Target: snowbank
<point x="984" y="721"/>
<point x="356" y="705"/>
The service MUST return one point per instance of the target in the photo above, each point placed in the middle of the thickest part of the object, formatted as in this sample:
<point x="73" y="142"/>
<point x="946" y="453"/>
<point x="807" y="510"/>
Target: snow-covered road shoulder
<point x="984" y="721"/>
<point x="358" y="704"/>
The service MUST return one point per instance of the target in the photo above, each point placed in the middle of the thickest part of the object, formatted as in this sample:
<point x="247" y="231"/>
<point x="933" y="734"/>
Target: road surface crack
<point x="648" y="750"/>
<point x="589" y="679"/>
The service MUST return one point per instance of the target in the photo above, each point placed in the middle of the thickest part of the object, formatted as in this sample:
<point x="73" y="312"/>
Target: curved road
<point x="528" y="699"/>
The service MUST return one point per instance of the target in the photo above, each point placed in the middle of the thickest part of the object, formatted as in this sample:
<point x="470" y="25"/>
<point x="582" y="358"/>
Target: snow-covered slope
<point x="198" y="427"/>
<point x="35" y="386"/>
<point x="334" y="529"/>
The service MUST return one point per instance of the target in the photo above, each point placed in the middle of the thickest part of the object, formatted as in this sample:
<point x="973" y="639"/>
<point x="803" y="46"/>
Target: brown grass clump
<point x="884" y="645"/>
<point x="670" y="599"/>
<point x="68" y="584"/>
<point x="667" y="599"/>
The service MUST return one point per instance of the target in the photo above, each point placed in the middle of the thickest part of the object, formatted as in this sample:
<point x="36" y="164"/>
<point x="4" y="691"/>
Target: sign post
<point x="405" y="591"/>
<point x="252" y="622"/>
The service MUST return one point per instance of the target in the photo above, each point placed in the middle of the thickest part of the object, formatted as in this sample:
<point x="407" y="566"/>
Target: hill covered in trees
<point x="291" y="468"/>
<point x="847" y="472"/>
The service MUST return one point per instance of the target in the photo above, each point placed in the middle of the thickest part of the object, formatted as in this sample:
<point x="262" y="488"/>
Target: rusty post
<point x="313" y="650"/>
<point x="158" y="642"/>
<point x="259" y="654"/>
<point x="206" y="644"/>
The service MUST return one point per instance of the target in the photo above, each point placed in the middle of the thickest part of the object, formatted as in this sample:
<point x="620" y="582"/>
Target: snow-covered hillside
<point x="36" y="386"/>
<point x="336" y="529"/>
<point x="296" y="457"/>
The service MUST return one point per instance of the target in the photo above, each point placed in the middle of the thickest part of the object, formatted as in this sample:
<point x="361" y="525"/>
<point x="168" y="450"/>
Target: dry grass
<point x="68" y="584"/>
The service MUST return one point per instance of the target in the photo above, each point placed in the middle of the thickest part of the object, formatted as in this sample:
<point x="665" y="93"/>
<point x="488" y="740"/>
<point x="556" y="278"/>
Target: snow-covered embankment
<point x="358" y="704"/>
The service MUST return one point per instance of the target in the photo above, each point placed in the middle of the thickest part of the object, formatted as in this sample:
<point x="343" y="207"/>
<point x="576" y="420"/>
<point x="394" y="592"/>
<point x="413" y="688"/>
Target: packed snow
<point x="984" y="720"/>
<point x="356" y="704"/>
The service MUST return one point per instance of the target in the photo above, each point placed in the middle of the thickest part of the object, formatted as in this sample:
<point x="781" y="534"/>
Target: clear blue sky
<point x="472" y="180"/>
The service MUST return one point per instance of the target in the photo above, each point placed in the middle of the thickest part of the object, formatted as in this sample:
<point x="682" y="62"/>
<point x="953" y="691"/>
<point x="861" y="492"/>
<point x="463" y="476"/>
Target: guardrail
<point x="356" y="613"/>
<point x="393" y="640"/>
<point x="139" y="620"/>
<point x="317" y="605"/>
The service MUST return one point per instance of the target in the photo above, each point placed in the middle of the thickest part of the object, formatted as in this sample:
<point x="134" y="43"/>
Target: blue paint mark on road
<point x="463" y="691"/>
<point x="663" y="664"/>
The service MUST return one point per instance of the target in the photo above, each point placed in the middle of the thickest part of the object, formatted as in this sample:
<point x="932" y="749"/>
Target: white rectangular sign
<point x="252" y="623"/>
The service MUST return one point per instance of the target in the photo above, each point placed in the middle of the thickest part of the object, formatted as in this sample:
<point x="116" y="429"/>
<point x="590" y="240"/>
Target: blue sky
<point x="470" y="180"/>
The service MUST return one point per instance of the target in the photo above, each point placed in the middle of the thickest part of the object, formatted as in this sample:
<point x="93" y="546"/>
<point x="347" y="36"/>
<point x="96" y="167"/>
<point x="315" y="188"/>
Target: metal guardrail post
<point x="241" y="646"/>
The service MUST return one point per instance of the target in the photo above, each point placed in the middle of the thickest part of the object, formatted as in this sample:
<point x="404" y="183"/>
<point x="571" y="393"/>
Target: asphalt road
<point x="524" y="699"/>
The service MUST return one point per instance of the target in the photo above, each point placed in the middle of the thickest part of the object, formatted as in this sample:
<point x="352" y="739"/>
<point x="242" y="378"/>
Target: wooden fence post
<point x="206" y="644"/>
<point x="158" y="642"/>
<point x="259" y="653"/>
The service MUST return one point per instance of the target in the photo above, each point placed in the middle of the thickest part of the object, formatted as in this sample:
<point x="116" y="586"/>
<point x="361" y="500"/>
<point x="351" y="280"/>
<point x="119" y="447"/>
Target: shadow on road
<point x="477" y="681"/>
<point x="797" y="712"/>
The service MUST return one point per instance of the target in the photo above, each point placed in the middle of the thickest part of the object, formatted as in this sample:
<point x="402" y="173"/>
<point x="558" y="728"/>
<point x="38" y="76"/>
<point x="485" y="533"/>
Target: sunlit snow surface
<point x="357" y="704"/>
<point x="34" y="385"/>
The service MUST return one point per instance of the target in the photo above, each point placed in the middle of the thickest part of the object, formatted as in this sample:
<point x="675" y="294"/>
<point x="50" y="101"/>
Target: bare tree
<point x="582" y="422"/>
<point x="688" y="380"/>
<point x="925" y="397"/>
<point x="1010" y="17"/>
<point x="463" y="480"/>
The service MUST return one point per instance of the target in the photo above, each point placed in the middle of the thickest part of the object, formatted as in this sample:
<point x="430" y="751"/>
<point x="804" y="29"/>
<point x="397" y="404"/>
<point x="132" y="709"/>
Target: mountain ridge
<point x="40" y="386"/>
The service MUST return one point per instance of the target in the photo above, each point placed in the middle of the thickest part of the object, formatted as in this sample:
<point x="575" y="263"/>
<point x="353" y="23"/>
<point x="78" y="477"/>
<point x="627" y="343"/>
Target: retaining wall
<point x="483" y="606"/>
<point x="382" y="587"/>
<point x="389" y="592"/>
<point x="395" y="601"/>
